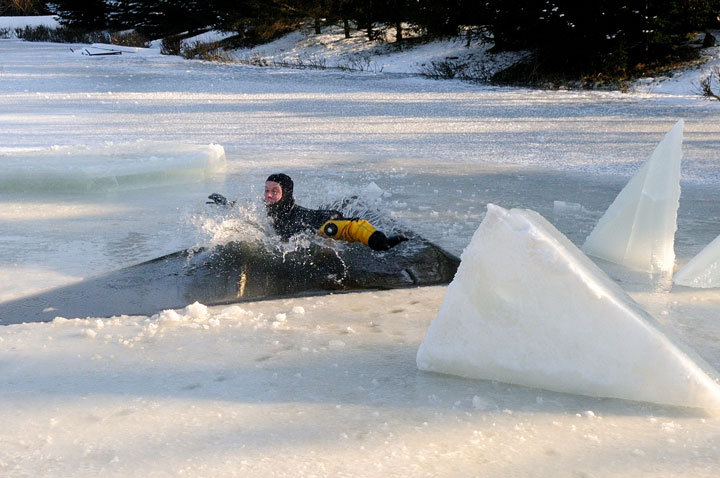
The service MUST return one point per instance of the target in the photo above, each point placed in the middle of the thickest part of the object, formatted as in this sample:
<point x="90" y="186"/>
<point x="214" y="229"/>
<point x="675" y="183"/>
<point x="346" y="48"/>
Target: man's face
<point x="273" y="192"/>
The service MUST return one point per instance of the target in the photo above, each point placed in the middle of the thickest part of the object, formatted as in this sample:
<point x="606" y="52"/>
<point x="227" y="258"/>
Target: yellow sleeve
<point x="350" y="230"/>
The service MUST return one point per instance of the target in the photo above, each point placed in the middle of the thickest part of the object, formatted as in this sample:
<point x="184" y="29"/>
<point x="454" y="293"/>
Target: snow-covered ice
<point x="8" y="25"/>
<point x="528" y="307"/>
<point x="638" y="229"/>
<point x="334" y="389"/>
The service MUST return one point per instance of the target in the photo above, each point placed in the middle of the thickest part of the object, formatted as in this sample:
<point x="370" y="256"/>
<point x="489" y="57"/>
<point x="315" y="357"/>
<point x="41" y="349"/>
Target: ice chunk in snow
<point x="638" y="229"/>
<point x="528" y="307"/>
<point x="562" y="207"/>
<point x="703" y="270"/>
<point x="113" y="166"/>
<point x="373" y="192"/>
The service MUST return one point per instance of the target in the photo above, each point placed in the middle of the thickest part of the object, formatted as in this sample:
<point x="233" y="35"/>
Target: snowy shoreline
<point x="331" y="50"/>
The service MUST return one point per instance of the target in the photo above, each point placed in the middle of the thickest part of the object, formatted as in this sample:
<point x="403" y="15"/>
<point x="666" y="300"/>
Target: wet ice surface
<point x="333" y="389"/>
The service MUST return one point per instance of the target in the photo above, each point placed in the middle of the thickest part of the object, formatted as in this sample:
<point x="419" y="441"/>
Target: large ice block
<point x="638" y="229"/>
<point x="703" y="270"/>
<point x="528" y="307"/>
<point x="112" y="166"/>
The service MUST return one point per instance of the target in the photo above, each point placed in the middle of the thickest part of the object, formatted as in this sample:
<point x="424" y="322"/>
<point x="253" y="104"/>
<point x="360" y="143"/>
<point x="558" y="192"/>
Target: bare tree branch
<point x="706" y="84"/>
<point x="26" y="7"/>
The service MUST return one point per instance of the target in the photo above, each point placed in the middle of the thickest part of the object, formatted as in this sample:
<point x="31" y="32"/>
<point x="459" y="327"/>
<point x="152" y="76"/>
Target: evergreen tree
<point x="82" y="15"/>
<point x="440" y="17"/>
<point x="317" y="10"/>
<point x="394" y="13"/>
<point x="257" y="20"/>
<point x="344" y="10"/>
<point x="126" y="14"/>
<point x="607" y="36"/>
<point x="166" y="17"/>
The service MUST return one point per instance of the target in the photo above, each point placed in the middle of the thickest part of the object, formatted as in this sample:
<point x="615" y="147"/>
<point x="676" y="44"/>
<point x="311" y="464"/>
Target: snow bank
<point x="703" y="270"/>
<point x="686" y="81"/>
<point x="11" y="23"/>
<point x="105" y="49"/>
<point x="331" y="49"/>
<point x="113" y="166"/>
<point x="527" y="307"/>
<point x="207" y="37"/>
<point x="638" y="229"/>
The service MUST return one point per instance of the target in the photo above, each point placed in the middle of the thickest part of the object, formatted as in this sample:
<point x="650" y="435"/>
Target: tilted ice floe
<point x="638" y="229"/>
<point x="528" y="307"/>
<point x="238" y="271"/>
<point x="112" y="166"/>
<point x="703" y="270"/>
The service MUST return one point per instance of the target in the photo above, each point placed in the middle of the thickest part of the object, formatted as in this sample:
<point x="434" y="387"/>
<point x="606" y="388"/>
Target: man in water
<point x="289" y="219"/>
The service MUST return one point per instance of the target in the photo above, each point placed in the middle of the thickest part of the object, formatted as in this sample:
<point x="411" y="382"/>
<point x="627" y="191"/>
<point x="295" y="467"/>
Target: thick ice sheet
<point x="638" y="229"/>
<point x="528" y="307"/>
<point x="110" y="167"/>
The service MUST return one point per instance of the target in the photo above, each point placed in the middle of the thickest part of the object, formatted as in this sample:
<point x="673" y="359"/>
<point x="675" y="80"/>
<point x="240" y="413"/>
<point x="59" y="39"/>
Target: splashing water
<point x="243" y="222"/>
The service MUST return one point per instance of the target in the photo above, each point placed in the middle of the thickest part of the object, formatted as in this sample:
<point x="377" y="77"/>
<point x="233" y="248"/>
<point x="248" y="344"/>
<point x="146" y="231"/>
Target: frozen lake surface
<point x="324" y="385"/>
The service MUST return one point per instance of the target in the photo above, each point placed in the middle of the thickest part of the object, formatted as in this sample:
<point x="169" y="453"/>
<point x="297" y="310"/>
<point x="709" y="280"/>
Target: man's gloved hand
<point x="380" y="242"/>
<point x="218" y="199"/>
<point x="393" y="241"/>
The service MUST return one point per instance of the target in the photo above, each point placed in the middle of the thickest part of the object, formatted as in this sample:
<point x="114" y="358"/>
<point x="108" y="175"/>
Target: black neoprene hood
<point x="285" y="183"/>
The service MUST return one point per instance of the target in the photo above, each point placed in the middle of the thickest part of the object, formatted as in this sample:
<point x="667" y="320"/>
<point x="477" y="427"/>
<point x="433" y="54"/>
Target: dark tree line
<point x="565" y="32"/>
<point x="603" y="23"/>
<point x="165" y="17"/>
<point x="613" y="36"/>
<point x="515" y="24"/>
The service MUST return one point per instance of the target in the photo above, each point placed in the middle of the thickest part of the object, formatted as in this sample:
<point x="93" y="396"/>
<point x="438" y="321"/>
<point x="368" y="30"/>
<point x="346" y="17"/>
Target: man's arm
<point x="359" y="230"/>
<point x="220" y="200"/>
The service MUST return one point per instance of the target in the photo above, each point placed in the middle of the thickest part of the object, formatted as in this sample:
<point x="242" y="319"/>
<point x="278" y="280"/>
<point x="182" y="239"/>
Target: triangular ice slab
<point x="528" y="307"/>
<point x="638" y="229"/>
<point x="703" y="270"/>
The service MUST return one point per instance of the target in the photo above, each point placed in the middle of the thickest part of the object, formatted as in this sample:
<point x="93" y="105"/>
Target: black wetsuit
<point x="289" y="219"/>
